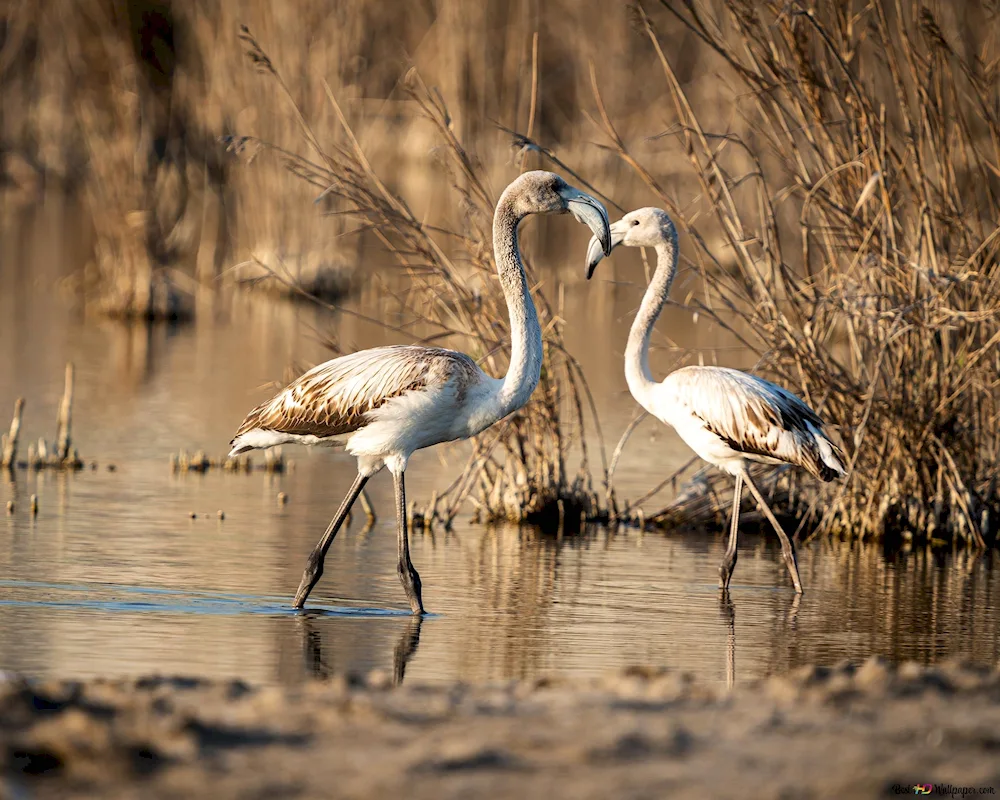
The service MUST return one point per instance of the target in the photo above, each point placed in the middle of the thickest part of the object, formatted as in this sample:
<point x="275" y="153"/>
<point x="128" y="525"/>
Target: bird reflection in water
<point x="728" y="613"/>
<point x="312" y="647"/>
<point x="405" y="648"/>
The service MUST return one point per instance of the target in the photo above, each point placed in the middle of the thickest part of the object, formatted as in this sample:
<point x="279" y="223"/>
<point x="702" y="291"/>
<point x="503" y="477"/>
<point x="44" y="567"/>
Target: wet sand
<point x="849" y="731"/>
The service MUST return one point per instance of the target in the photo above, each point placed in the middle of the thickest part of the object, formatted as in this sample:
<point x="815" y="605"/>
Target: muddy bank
<point x="842" y="732"/>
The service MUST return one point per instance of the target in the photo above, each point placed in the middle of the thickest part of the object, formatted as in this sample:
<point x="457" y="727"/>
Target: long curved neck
<point x="526" y="336"/>
<point x="637" y="372"/>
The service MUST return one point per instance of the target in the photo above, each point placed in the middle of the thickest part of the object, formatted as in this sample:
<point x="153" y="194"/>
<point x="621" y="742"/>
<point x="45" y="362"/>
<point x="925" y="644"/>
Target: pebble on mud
<point x="10" y="506"/>
<point x="872" y="674"/>
<point x="34" y="505"/>
<point x="378" y="679"/>
<point x="221" y="514"/>
<point x="193" y="515"/>
<point x="282" y="498"/>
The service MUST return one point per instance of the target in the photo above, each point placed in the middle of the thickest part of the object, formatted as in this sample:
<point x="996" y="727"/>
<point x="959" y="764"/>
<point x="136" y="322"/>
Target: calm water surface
<point x="114" y="577"/>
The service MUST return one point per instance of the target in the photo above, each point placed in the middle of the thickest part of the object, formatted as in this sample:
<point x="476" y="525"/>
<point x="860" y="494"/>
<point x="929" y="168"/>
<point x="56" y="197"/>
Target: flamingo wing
<point x="335" y="397"/>
<point x="756" y="417"/>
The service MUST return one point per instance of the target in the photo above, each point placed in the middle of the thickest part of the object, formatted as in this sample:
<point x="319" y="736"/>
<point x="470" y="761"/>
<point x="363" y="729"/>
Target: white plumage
<point x="729" y="417"/>
<point x="385" y="403"/>
<point x="379" y="403"/>
<point x="726" y="416"/>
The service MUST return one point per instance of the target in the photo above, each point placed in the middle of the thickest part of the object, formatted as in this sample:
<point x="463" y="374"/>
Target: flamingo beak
<point x="590" y="212"/>
<point x="598" y="250"/>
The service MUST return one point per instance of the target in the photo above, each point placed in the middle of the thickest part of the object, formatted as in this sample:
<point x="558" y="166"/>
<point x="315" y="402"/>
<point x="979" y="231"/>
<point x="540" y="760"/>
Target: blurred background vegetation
<point x="121" y="104"/>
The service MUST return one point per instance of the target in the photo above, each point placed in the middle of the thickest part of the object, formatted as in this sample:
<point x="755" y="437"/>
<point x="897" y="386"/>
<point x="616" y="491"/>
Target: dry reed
<point x="62" y="456"/>
<point x="518" y="469"/>
<point x="859" y="214"/>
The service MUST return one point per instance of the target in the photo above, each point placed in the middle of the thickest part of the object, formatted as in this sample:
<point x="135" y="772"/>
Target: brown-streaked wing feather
<point x="334" y="398"/>
<point x="754" y="416"/>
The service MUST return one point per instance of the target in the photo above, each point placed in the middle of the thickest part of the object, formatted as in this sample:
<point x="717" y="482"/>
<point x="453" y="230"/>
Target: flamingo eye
<point x="635" y="222"/>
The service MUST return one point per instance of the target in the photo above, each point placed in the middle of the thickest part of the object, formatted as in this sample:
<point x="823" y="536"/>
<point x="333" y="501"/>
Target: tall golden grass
<point x="859" y="209"/>
<point x="518" y="470"/>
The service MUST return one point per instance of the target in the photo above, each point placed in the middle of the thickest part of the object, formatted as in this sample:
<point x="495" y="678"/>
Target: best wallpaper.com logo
<point x="942" y="790"/>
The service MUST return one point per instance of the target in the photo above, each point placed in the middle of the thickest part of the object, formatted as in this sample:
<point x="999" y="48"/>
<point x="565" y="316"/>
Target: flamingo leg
<point x="787" y="551"/>
<point x="314" y="566"/>
<point x="729" y="559"/>
<point x="407" y="573"/>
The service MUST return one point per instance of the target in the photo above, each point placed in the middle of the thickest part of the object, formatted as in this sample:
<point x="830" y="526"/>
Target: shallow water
<point x="115" y="577"/>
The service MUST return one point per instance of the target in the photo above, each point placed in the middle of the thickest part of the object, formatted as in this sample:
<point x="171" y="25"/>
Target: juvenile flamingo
<point x="385" y="403"/>
<point x="726" y="416"/>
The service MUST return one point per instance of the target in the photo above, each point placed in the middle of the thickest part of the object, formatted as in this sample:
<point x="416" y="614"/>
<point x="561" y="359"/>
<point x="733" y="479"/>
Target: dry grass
<point x="859" y="211"/>
<point x="518" y="469"/>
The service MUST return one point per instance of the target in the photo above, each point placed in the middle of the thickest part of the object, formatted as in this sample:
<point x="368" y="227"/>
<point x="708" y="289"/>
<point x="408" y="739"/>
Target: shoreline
<point x="847" y="731"/>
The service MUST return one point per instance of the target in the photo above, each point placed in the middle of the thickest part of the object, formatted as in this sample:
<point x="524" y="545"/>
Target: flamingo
<point x="728" y="417"/>
<point x="385" y="403"/>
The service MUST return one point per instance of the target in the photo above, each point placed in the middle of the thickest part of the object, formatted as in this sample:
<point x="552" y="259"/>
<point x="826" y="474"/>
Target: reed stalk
<point x="518" y="469"/>
<point x="857" y="210"/>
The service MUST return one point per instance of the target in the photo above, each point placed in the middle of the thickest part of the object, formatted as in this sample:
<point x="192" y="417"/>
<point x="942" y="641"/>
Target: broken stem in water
<point x="10" y="440"/>
<point x="63" y="437"/>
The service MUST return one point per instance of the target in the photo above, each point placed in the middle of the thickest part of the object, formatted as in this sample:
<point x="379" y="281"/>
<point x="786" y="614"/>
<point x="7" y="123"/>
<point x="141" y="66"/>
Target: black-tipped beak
<point x="598" y="250"/>
<point x="590" y="212"/>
